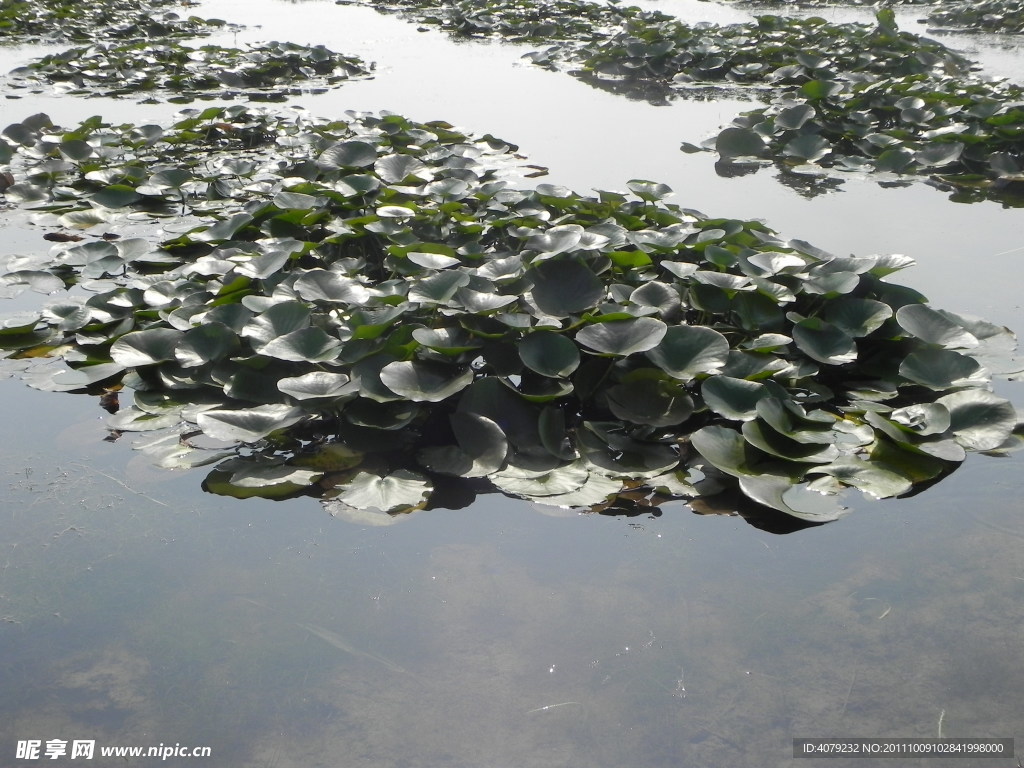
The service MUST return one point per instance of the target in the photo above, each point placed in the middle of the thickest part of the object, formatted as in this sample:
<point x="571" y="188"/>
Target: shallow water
<point x="137" y="610"/>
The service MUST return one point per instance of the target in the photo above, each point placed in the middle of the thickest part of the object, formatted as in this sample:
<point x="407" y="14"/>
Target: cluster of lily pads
<point x="521" y="20"/>
<point x="982" y="15"/>
<point x="47" y="20"/>
<point x="211" y="71"/>
<point x="970" y="134"/>
<point x="849" y="97"/>
<point x="363" y="308"/>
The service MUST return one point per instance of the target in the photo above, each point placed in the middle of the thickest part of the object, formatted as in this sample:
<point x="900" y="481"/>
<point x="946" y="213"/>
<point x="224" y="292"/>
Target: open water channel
<point x="137" y="610"/>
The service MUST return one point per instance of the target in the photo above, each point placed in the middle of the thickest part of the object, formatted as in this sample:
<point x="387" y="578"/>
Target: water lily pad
<point x="549" y="354"/>
<point x="688" y="351"/>
<point x="934" y="327"/>
<point x="317" y="385"/>
<point x="146" y="347"/>
<point x="399" y="491"/>
<point x="564" y="287"/>
<point x="980" y="420"/>
<point x="424" y="382"/>
<point x="623" y="337"/>
<point x="733" y="398"/>
<point x="249" y="425"/>
<point x="347" y="154"/>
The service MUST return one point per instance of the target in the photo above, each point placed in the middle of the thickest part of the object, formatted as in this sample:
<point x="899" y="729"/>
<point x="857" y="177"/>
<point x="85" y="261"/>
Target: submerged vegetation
<point x="362" y="308"/>
<point x="265" y="72"/>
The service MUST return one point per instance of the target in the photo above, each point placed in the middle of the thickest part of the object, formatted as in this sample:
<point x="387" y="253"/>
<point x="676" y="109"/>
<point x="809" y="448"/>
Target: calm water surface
<point x="137" y="610"/>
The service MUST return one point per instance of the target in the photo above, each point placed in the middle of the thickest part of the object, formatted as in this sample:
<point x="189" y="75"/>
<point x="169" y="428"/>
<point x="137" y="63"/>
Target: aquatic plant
<point x="963" y="132"/>
<point x="980" y="15"/>
<point x="773" y="50"/>
<point x="521" y="20"/>
<point x="267" y="71"/>
<point x="361" y="308"/>
<point x="25" y="21"/>
<point x="852" y="98"/>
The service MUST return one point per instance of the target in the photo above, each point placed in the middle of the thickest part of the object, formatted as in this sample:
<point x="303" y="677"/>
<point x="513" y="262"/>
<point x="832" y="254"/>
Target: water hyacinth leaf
<point x="156" y="345"/>
<point x="979" y="419"/>
<point x="623" y="337"/>
<point x="564" y="287"/>
<point x="733" y="398"/>
<point x="940" y="368"/>
<point x="249" y="425"/>
<point x="688" y="351"/>
<point x="934" y="327"/>
<point x="400" y="491"/>
<point x="304" y="345"/>
<point x="317" y="385"/>
<point x="549" y="354"/>
<point x="421" y="381"/>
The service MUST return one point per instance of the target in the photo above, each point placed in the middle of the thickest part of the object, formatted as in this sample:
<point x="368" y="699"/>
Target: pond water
<point x="137" y="610"/>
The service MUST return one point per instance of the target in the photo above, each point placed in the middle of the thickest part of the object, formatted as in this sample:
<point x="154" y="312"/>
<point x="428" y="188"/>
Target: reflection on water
<point x="136" y="610"/>
<point x="492" y="635"/>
